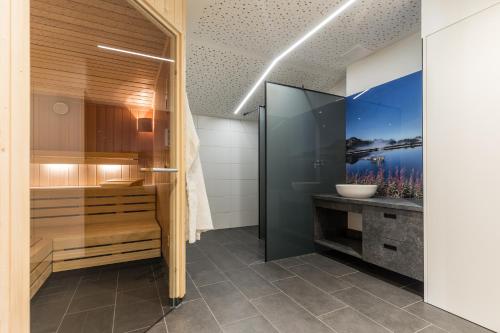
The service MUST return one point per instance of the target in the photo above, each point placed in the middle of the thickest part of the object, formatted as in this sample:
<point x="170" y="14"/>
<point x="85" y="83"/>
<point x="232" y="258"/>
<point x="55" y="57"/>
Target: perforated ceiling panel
<point x="231" y="42"/>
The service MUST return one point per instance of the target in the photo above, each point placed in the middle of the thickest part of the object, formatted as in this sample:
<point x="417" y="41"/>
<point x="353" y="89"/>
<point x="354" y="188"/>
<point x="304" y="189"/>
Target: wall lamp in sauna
<point x="291" y="48"/>
<point x="139" y="54"/>
<point x="144" y="125"/>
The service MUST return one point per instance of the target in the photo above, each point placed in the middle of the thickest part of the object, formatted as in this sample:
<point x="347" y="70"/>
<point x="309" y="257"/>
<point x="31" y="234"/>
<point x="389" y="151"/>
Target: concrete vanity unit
<point x="391" y="235"/>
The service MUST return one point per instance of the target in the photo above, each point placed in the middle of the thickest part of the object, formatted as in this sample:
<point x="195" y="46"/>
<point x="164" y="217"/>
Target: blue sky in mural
<point x="390" y="111"/>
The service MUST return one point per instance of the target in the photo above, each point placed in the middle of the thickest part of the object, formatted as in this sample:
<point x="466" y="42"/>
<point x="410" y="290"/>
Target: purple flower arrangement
<point x="396" y="183"/>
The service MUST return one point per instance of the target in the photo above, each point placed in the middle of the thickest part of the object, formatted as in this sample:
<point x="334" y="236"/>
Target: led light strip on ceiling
<point x="134" y="53"/>
<point x="361" y="93"/>
<point x="291" y="48"/>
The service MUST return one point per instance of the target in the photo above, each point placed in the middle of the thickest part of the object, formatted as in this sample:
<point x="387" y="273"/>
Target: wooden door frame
<point x="15" y="159"/>
<point x="178" y="204"/>
<point x="14" y="165"/>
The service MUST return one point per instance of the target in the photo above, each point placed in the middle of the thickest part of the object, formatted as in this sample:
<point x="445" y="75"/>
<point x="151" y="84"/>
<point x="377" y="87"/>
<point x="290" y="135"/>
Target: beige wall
<point x="392" y="62"/>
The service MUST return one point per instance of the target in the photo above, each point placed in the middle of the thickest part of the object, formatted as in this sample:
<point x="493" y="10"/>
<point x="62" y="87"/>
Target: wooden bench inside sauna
<point x="97" y="226"/>
<point x="87" y="210"/>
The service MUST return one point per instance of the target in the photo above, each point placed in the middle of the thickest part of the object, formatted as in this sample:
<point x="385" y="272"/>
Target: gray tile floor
<point x="118" y="298"/>
<point x="231" y="289"/>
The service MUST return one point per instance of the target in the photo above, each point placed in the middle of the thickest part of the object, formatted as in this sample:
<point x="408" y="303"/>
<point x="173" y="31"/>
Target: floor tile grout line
<point x="250" y="301"/>
<point x="324" y="271"/>
<point x="209" y="284"/>
<point x="90" y="309"/>
<point x="116" y="299"/>
<point x="241" y="319"/>
<point x="411" y="304"/>
<point x="306" y="310"/>
<point x="420" y="330"/>
<point x="369" y="318"/>
<point x="159" y="297"/>
<point x="69" y="304"/>
<point x="350" y="285"/>
<point x="347" y="274"/>
<point x="384" y="300"/>
<point x="271" y="281"/>
<point x="262" y="313"/>
<point x="397" y="307"/>
<point x="336" y="291"/>
<point x="258" y="298"/>
<point x="333" y="311"/>
<point x="314" y="286"/>
<point x="208" y="307"/>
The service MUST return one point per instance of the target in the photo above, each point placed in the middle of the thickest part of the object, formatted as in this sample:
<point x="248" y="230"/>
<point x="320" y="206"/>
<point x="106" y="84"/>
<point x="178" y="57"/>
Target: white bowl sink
<point x="356" y="191"/>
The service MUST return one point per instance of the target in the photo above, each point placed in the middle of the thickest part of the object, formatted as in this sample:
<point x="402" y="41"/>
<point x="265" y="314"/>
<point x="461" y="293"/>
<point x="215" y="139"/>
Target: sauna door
<point x="107" y="181"/>
<point x="165" y="170"/>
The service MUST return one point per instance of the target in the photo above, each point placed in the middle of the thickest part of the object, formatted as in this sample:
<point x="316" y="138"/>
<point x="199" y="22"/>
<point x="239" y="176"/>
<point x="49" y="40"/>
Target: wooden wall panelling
<point x="100" y="134"/>
<point x="90" y="127"/>
<point x="109" y="128"/>
<point x="118" y="130"/>
<point x="80" y="66"/>
<point x="52" y="131"/>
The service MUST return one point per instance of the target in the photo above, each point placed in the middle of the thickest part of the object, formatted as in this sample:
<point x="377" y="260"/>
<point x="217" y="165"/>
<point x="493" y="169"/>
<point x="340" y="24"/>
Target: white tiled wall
<point x="229" y="156"/>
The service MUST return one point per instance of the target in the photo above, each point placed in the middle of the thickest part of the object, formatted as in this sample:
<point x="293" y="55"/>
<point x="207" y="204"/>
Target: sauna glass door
<point x="103" y="86"/>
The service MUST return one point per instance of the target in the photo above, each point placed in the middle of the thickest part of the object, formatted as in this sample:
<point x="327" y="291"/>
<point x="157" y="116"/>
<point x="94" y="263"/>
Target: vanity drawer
<point x="393" y="239"/>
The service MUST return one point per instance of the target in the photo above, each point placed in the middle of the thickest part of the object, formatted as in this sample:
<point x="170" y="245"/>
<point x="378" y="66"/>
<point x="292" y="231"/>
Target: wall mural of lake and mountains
<point x="384" y="137"/>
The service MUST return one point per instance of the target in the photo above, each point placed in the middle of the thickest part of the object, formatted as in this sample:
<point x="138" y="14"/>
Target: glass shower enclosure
<point x="301" y="152"/>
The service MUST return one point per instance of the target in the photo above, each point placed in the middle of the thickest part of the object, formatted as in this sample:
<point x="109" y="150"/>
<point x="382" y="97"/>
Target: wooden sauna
<point x="100" y="117"/>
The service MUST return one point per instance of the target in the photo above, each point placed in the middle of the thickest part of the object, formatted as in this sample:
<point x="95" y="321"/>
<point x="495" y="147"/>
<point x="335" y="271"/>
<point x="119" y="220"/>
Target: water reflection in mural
<point x="384" y="137"/>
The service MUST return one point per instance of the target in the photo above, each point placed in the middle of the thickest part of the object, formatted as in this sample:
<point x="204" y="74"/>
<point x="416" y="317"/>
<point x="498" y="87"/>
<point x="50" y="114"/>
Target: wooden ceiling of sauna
<point x="65" y="59"/>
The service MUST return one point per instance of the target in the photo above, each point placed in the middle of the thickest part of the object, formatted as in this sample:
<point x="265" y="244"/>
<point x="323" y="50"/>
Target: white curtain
<point x="199" y="217"/>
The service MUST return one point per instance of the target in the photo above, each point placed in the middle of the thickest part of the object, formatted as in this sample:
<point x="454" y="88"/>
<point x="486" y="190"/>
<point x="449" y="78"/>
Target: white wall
<point x="339" y="88"/>
<point x="397" y="60"/>
<point x="229" y="157"/>
<point x="461" y="158"/>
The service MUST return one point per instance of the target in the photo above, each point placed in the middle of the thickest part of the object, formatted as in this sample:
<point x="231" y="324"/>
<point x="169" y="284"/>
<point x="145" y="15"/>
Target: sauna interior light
<point x="134" y="53"/>
<point x="59" y="167"/>
<point x="291" y="48"/>
<point x="111" y="167"/>
<point x="361" y="93"/>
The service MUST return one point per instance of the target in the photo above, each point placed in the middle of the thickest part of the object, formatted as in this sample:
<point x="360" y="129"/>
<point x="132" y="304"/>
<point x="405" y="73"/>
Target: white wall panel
<point x="461" y="140"/>
<point x="438" y="14"/>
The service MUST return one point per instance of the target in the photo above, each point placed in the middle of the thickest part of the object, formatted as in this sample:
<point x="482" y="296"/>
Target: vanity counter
<point x="392" y="203"/>
<point x="390" y="234"/>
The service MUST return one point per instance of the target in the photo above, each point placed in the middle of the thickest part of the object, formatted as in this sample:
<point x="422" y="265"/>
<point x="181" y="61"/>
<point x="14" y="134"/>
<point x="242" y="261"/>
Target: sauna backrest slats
<point x="65" y="193"/>
<point x="56" y="207"/>
<point x="81" y="220"/>
<point x="51" y="203"/>
<point x="90" y="210"/>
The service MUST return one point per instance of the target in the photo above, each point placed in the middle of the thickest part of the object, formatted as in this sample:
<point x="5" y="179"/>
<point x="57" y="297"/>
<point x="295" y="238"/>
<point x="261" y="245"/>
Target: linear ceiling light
<point x="290" y="49"/>
<point x="134" y="53"/>
<point x="361" y="93"/>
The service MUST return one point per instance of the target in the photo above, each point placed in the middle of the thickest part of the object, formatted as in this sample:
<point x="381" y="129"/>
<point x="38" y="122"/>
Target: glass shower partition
<point x="304" y="154"/>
